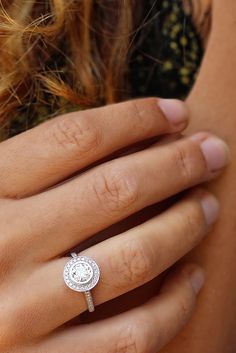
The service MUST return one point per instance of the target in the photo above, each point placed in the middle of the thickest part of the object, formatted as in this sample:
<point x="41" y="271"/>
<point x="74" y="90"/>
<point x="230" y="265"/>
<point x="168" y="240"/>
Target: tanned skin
<point x="212" y="104"/>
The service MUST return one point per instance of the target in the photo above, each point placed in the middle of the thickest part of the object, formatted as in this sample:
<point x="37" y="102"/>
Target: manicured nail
<point x="197" y="279"/>
<point x="215" y="151"/>
<point x="174" y="110"/>
<point x="211" y="208"/>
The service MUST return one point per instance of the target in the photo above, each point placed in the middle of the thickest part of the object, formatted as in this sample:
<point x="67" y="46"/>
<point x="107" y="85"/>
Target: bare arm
<point x="212" y="103"/>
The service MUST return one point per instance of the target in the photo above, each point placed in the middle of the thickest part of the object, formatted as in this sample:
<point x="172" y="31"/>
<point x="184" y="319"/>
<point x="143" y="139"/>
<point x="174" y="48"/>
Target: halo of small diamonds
<point x="81" y="273"/>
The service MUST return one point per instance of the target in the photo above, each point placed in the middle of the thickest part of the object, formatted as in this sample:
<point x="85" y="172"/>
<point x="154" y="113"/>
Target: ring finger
<point x="144" y="329"/>
<point x="126" y="261"/>
<point x="72" y="212"/>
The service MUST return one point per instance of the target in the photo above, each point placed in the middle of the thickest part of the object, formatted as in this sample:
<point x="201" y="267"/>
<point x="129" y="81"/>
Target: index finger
<point x="53" y="151"/>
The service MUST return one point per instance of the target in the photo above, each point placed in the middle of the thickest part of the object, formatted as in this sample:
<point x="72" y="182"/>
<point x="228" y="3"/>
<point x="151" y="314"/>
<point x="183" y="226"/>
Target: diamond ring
<point x="81" y="274"/>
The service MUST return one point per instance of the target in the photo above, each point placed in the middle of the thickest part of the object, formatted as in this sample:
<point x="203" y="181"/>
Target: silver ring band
<point x="81" y="274"/>
<point x="89" y="300"/>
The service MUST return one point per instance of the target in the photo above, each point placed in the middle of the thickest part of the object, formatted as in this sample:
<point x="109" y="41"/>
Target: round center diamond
<point x="81" y="272"/>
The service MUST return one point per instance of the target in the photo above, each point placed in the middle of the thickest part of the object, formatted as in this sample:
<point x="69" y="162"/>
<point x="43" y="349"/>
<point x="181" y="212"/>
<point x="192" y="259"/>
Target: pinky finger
<point x="145" y="329"/>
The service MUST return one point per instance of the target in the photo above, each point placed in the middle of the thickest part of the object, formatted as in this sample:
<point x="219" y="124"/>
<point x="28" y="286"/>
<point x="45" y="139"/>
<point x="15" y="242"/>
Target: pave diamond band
<point x="89" y="299"/>
<point x="81" y="274"/>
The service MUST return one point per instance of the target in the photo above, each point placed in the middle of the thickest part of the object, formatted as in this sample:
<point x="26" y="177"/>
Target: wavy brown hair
<point x="74" y="49"/>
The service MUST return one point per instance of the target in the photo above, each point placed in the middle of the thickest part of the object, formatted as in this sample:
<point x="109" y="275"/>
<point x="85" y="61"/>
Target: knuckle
<point x="144" y="112"/>
<point x="115" y="189"/>
<point x="194" y="225"/>
<point x="184" y="306"/>
<point x="192" y="222"/>
<point x="184" y="163"/>
<point x="76" y="133"/>
<point x="138" y="111"/>
<point x="134" y="264"/>
<point x="190" y="162"/>
<point x="131" y="339"/>
<point x="191" y="228"/>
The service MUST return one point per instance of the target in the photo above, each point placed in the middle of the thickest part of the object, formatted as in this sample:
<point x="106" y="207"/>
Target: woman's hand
<point x="39" y="225"/>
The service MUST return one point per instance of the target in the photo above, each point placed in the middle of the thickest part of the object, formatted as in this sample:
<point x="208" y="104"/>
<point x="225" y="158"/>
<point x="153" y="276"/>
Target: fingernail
<point x="197" y="279"/>
<point x="215" y="151"/>
<point x="211" y="208"/>
<point x="175" y="111"/>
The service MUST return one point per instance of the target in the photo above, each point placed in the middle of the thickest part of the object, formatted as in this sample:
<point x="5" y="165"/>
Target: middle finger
<point x="63" y="217"/>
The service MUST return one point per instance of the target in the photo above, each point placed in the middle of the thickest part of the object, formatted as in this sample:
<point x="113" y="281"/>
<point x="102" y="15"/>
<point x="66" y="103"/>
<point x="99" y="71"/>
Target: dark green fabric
<point x="168" y="52"/>
<point x="166" y="56"/>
